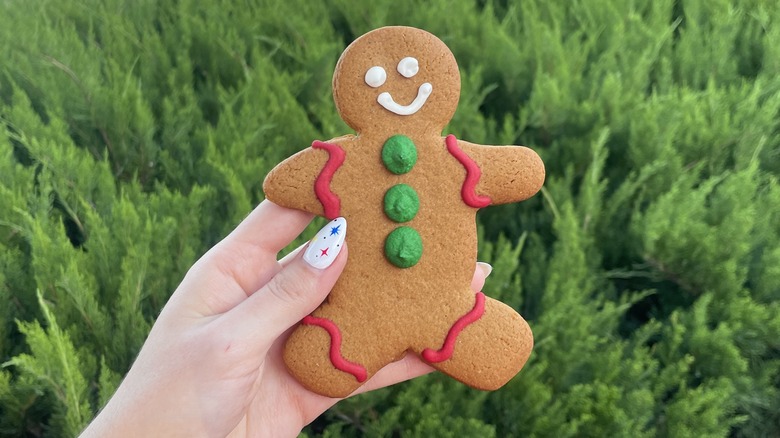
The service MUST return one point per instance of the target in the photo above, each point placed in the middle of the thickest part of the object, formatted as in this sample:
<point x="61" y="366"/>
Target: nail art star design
<point x="324" y="247"/>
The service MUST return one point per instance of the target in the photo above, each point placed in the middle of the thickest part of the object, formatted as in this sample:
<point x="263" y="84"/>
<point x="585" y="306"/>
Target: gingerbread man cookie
<point x="409" y="197"/>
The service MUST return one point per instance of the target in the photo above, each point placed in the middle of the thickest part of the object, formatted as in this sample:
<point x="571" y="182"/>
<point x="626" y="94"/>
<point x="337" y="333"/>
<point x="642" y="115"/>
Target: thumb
<point x="295" y="291"/>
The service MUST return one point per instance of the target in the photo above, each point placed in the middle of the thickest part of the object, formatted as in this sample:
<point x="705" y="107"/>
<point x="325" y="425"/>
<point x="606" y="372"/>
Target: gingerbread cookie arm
<point x="302" y="181"/>
<point x="505" y="173"/>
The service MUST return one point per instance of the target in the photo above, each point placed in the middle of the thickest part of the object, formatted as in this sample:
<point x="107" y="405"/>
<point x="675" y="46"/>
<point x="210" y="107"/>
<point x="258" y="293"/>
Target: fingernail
<point x="486" y="268"/>
<point x="327" y="244"/>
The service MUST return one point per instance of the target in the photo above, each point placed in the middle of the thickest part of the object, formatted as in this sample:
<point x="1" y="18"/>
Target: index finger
<point x="248" y="254"/>
<point x="246" y="259"/>
<point x="268" y="228"/>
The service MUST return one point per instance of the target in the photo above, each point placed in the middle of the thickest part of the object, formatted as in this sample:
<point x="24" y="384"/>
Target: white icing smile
<point x="387" y="102"/>
<point x="407" y="67"/>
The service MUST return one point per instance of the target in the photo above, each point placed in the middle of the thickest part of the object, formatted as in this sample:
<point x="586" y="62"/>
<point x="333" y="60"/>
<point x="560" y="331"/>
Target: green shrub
<point x="134" y="135"/>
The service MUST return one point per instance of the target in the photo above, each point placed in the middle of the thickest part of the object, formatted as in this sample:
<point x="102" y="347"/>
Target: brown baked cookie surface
<point x="410" y="197"/>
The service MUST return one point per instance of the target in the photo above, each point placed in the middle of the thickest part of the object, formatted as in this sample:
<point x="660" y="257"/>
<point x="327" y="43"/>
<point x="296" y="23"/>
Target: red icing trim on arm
<point x="473" y="173"/>
<point x="445" y="352"/>
<point x="329" y="200"/>
<point x="335" y="348"/>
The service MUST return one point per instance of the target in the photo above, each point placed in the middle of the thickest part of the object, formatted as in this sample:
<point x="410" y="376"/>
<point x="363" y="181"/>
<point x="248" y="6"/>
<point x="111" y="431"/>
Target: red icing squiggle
<point x="335" y="348"/>
<point x="445" y="352"/>
<point x="329" y="200"/>
<point x="473" y="173"/>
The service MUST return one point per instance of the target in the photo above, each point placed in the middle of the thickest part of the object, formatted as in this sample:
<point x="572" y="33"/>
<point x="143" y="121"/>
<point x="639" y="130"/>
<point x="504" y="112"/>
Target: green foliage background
<point x="135" y="134"/>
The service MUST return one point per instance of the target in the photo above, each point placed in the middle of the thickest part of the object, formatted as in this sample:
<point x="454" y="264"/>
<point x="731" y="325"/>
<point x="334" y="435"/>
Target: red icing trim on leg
<point x="473" y="173"/>
<point x="335" y="348"/>
<point x="329" y="200"/>
<point x="445" y="352"/>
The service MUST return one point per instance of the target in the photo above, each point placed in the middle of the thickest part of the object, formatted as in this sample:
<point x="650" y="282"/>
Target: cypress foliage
<point x="134" y="135"/>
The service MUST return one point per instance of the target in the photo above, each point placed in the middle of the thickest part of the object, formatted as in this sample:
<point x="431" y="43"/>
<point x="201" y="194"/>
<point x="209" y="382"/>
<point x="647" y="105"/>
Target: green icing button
<point x="403" y="247"/>
<point x="401" y="203"/>
<point x="399" y="154"/>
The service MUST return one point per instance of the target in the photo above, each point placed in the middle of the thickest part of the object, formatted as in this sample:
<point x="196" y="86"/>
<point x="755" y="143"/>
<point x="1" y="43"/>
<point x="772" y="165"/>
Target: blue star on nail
<point x="334" y="230"/>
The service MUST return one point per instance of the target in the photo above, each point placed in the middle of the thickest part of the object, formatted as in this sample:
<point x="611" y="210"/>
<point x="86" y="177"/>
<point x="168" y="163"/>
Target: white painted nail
<point x="486" y="268"/>
<point x="327" y="244"/>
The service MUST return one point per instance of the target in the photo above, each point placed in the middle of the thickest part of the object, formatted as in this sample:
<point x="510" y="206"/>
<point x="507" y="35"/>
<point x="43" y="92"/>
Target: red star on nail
<point x="324" y="252"/>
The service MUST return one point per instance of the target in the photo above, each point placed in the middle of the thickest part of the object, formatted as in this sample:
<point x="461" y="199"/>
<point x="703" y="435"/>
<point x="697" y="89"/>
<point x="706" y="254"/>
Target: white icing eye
<point x="408" y="67"/>
<point x="376" y="76"/>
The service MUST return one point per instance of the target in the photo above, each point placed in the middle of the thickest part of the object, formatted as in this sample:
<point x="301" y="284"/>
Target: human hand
<point x="212" y="364"/>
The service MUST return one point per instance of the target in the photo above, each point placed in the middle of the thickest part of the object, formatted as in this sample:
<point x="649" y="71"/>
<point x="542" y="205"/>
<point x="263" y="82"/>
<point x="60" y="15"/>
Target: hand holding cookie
<point x="213" y="361"/>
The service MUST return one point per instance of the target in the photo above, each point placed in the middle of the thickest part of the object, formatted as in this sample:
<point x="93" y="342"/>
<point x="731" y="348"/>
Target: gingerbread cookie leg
<point x="326" y="359"/>
<point x="308" y="355"/>
<point x="485" y="348"/>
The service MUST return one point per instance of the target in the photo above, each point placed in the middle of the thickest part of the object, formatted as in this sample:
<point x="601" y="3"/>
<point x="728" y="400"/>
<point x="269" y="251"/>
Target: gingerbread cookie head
<point x="398" y="76"/>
